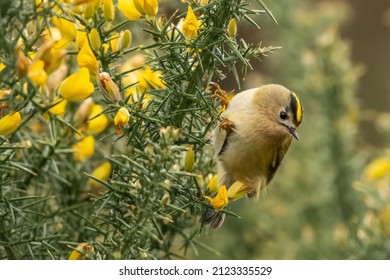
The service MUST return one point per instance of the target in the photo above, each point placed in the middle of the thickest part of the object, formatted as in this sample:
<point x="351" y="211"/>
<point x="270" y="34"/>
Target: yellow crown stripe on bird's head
<point x="296" y="106"/>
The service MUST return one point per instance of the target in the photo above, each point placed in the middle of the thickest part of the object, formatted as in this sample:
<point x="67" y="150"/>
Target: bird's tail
<point x="212" y="218"/>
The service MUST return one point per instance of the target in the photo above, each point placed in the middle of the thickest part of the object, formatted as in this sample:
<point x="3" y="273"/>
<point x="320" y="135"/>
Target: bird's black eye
<point x="283" y="115"/>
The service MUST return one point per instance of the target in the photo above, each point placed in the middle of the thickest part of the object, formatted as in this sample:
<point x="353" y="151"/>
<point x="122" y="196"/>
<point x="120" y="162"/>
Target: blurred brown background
<point x="369" y="32"/>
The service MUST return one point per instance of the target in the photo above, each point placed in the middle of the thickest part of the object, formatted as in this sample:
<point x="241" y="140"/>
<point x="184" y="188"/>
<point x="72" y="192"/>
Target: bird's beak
<point x="294" y="132"/>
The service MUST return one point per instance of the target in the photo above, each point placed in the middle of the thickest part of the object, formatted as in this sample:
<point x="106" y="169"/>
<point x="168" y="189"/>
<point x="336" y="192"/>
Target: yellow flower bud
<point x="108" y="10"/>
<point x="212" y="185"/>
<point x="108" y="87"/>
<point x="84" y="149"/>
<point x="166" y="198"/>
<point x="114" y="41"/>
<point x="82" y="250"/>
<point x="94" y="38"/>
<point x="122" y="117"/>
<point x="232" y="28"/>
<point x="146" y="7"/>
<point x="125" y="39"/>
<point x="89" y="10"/>
<point x="102" y="172"/>
<point x="37" y="73"/>
<point x="77" y="86"/>
<point x="162" y="21"/>
<point x="199" y="179"/>
<point x="86" y="58"/>
<point x="220" y="200"/>
<point x="189" y="160"/>
<point x="9" y="123"/>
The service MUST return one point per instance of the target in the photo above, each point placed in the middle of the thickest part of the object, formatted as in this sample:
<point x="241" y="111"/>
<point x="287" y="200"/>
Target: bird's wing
<point x="277" y="160"/>
<point x="220" y="140"/>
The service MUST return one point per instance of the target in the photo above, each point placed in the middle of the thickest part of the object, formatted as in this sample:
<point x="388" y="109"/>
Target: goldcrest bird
<point x="251" y="139"/>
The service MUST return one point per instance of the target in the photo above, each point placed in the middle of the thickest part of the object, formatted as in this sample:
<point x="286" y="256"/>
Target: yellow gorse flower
<point x="67" y="28"/>
<point x="220" y="200"/>
<point x="190" y="25"/>
<point x="2" y="66"/>
<point x="146" y="7"/>
<point x="52" y="54"/>
<point x="81" y="250"/>
<point x="37" y="73"/>
<point x="22" y="64"/>
<point x="143" y="80"/>
<point x="84" y="149"/>
<point x="238" y="190"/>
<point x="59" y="107"/>
<point x="77" y="86"/>
<point x="377" y="169"/>
<point x="81" y="37"/>
<point x="128" y="9"/>
<point x="9" y="123"/>
<point x="86" y="58"/>
<point x="150" y="79"/>
<point x="121" y="118"/>
<point x="136" y="97"/>
<point x="97" y="121"/>
<point x="102" y="172"/>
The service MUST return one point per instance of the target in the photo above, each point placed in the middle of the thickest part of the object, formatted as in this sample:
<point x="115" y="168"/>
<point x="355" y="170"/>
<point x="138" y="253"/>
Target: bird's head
<point x="282" y="107"/>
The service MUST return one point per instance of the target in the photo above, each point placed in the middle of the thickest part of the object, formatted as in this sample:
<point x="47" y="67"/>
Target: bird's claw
<point x="227" y="125"/>
<point x="221" y="95"/>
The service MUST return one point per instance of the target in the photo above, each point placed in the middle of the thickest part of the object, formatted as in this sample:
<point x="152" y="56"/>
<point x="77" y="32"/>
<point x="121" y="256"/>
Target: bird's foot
<point x="222" y="95"/>
<point x="227" y="125"/>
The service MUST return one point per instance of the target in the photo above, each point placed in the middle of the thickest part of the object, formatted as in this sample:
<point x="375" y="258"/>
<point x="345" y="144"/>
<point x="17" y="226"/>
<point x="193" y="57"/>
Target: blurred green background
<point x="321" y="205"/>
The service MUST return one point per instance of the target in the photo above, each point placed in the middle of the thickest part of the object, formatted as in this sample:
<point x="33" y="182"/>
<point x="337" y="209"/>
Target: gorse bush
<point x="106" y="111"/>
